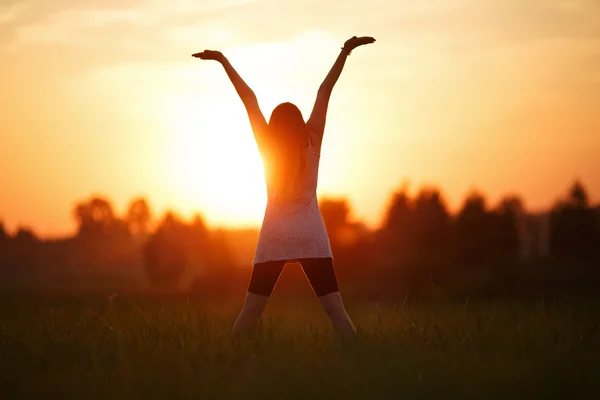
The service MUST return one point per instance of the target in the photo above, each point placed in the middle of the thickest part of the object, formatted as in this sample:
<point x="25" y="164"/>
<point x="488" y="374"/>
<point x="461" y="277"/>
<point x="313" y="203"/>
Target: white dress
<point x="294" y="230"/>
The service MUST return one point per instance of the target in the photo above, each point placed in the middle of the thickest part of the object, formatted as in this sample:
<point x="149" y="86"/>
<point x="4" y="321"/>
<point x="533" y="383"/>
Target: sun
<point x="214" y="165"/>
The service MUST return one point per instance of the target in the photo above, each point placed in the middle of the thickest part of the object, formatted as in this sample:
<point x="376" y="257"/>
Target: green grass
<point x="181" y="348"/>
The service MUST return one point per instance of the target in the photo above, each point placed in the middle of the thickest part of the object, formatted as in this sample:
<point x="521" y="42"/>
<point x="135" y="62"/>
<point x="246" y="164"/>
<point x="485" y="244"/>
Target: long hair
<point x="287" y="157"/>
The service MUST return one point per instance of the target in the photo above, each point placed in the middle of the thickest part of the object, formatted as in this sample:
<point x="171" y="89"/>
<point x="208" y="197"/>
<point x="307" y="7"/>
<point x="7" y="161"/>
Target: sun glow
<point x="213" y="163"/>
<point x="215" y="167"/>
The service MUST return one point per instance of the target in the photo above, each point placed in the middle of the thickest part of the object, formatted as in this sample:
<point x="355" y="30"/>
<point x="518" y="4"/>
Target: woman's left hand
<point x="355" y="41"/>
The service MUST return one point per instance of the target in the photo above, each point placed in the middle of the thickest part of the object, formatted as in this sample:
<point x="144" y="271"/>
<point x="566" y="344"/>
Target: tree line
<point x="419" y="239"/>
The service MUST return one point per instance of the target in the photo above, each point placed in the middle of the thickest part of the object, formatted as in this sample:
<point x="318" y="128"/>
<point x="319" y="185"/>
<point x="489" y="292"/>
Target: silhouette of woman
<point x="292" y="228"/>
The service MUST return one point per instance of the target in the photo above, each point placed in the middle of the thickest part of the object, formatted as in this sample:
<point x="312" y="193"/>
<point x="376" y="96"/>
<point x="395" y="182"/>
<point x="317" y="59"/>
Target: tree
<point x="430" y="227"/>
<point x="4" y="236"/>
<point x="219" y="254"/>
<point x="394" y="236"/>
<point x="336" y="214"/>
<point x="578" y="197"/>
<point x="415" y="236"/>
<point x="398" y="210"/>
<point x="507" y="229"/>
<point x="139" y="217"/>
<point x="96" y="218"/>
<point x="199" y="230"/>
<point x="574" y="232"/>
<point x="165" y="252"/>
<point x="165" y="259"/>
<point x="25" y="235"/>
<point x="472" y="231"/>
<point x="347" y="237"/>
<point x="178" y="247"/>
<point x="200" y="242"/>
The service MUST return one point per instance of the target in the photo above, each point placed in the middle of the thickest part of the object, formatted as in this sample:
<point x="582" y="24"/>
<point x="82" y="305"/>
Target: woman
<point x="293" y="228"/>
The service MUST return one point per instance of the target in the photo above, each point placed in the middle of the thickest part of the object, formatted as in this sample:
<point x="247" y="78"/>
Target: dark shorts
<point x="319" y="271"/>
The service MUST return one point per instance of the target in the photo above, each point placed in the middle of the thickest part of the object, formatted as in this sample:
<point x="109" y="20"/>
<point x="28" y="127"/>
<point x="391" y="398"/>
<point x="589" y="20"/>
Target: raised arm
<point x="318" y="116"/>
<point x="257" y="120"/>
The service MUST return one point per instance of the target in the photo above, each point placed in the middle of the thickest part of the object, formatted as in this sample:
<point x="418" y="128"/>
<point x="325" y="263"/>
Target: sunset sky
<point x="102" y="96"/>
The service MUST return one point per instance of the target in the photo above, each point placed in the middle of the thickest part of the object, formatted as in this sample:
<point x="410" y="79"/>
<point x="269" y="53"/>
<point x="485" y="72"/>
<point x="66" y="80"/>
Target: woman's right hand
<point x="209" y="55"/>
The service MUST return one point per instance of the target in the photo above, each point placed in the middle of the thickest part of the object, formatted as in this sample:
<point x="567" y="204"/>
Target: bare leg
<point x="262" y="282"/>
<point x="253" y="308"/>
<point x="334" y="307"/>
<point x="321" y="275"/>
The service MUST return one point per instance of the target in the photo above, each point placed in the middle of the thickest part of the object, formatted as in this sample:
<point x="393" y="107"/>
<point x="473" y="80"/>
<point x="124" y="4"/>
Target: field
<point x="143" y="347"/>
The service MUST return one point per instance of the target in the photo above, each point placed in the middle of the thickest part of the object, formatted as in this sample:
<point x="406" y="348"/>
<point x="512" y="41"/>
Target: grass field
<point x="169" y="348"/>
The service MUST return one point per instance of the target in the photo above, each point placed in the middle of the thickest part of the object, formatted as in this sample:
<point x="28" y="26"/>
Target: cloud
<point x="451" y="25"/>
<point x="442" y="40"/>
<point x="69" y="23"/>
<point x="281" y="63"/>
<point x="12" y="11"/>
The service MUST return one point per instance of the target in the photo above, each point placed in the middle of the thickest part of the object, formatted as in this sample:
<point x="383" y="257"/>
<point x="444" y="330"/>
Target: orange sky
<point x="102" y="96"/>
